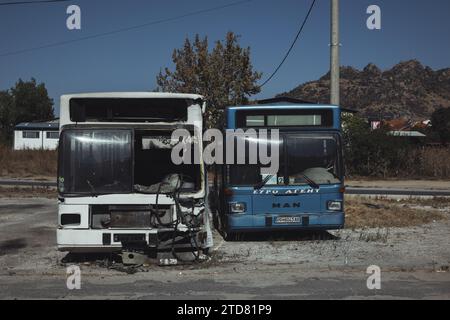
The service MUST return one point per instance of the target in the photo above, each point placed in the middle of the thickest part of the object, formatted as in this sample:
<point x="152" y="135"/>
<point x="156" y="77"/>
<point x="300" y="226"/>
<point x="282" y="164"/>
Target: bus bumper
<point x="107" y="240"/>
<point x="261" y="222"/>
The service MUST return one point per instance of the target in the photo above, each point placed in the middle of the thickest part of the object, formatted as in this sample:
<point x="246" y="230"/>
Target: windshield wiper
<point x="94" y="194"/>
<point x="311" y="182"/>
<point x="263" y="182"/>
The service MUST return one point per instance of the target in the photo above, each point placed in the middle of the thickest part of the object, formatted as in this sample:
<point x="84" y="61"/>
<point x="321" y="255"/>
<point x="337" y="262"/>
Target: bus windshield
<point x="303" y="156"/>
<point x="95" y="161"/>
<point x="113" y="161"/>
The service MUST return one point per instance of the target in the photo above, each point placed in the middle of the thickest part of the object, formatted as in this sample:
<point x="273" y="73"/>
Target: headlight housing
<point x="238" y="207"/>
<point x="334" y="205"/>
<point x="70" y="219"/>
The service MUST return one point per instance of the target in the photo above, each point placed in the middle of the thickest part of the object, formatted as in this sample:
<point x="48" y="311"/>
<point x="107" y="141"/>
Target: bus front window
<point x="95" y="161"/>
<point x="303" y="157"/>
<point x="312" y="156"/>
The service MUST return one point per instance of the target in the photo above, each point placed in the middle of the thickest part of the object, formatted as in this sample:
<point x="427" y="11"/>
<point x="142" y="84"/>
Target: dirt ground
<point x="414" y="262"/>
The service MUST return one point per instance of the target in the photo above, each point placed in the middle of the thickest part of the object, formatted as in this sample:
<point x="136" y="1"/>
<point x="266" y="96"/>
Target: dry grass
<point x="365" y="213"/>
<point x="428" y="162"/>
<point x="27" y="163"/>
<point x="414" y="163"/>
<point x="435" y="202"/>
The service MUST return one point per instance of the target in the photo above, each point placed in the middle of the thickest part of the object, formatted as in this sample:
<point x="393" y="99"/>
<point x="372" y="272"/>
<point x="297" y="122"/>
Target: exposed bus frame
<point x="81" y="237"/>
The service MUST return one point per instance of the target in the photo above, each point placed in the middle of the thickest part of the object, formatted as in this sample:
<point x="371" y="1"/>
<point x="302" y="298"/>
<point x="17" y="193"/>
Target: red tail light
<point x="228" y="192"/>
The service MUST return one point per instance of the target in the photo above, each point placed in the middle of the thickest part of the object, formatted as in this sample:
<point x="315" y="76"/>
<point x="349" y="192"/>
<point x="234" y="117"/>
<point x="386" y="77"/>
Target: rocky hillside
<point x="407" y="90"/>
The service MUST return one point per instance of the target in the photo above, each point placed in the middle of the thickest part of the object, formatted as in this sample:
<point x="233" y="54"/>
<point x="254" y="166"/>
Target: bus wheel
<point x="206" y="251"/>
<point x="229" y="236"/>
<point x="216" y="222"/>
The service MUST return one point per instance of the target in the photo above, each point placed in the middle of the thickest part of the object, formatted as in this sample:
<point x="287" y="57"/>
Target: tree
<point x="6" y="117"/>
<point x="224" y="76"/>
<point x="27" y="101"/>
<point x="440" y="121"/>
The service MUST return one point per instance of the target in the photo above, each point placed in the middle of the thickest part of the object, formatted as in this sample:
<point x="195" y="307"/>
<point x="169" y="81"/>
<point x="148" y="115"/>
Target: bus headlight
<point x="238" y="207"/>
<point x="334" y="205"/>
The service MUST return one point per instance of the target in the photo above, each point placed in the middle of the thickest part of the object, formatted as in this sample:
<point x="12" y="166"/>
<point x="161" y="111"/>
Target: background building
<point x="32" y="135"/>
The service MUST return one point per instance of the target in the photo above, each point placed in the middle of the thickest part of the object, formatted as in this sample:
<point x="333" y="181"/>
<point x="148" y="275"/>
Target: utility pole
<point x="334" y="67"/>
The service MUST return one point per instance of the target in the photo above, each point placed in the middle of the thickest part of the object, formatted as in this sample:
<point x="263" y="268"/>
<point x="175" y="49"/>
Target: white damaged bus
<point x="118" y="190"/>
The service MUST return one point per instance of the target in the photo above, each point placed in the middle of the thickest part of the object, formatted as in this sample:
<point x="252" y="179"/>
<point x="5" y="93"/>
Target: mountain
<point x="407" y="90"/>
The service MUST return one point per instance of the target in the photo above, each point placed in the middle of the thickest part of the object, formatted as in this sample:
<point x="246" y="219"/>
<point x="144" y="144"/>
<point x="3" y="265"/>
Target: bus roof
<point x="155" y="95"/>
<point x="283" y="105"/>
<point x="192" y="112"/>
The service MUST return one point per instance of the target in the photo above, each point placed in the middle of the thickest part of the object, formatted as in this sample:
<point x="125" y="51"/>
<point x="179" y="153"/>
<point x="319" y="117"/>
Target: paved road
<point x="27" y="183"/>
<point x="414" y="264"/>
<point x="349" y="190"/>
<point x="285" y="283"/>
<point x="396" y="192"/>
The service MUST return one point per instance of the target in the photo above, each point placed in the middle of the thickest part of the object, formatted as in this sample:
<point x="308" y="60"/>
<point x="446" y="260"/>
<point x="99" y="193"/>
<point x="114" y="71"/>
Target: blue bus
<point x="307" y="191"/>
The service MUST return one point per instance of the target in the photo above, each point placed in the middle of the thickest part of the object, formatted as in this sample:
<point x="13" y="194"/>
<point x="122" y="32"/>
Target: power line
<point x="292" y="45"/>
<point x="98" y="35"/>
<point x="30" y="2"/>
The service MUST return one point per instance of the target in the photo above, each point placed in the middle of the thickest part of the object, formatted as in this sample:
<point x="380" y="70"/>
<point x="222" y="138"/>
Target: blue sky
<point x="129" y="61"/>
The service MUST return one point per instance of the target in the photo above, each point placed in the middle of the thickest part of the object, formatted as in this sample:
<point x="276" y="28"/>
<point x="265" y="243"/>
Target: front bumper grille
<point x="129" y="216"/>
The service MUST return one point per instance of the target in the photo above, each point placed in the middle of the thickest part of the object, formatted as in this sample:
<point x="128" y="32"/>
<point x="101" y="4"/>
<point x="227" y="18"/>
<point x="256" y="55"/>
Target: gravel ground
<point x="414" y="262"/>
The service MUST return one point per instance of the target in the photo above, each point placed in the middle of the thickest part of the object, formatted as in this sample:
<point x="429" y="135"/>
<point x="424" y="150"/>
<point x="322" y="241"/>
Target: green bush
<point x="372" y="152"/>
<point x="375" y="153"/>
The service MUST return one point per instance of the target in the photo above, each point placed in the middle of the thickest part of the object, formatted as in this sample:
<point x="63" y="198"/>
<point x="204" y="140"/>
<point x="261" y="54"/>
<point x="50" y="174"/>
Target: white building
<point x="32" y="135"/>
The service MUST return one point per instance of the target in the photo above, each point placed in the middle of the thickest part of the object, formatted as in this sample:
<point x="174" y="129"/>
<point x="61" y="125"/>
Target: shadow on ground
<point x="12" y="246"/>
<point x="283" y="236"/>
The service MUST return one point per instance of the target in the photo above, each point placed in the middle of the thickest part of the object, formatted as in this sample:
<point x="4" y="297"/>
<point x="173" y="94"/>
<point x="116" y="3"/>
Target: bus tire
<point x="206" y="251"/>
<point x="229" y="236"/>
<point x="216" y="222"/>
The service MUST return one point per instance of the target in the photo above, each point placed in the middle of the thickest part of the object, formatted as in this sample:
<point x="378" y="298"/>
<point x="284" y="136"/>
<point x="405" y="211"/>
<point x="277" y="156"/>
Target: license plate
<point x="288" y="219"/>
